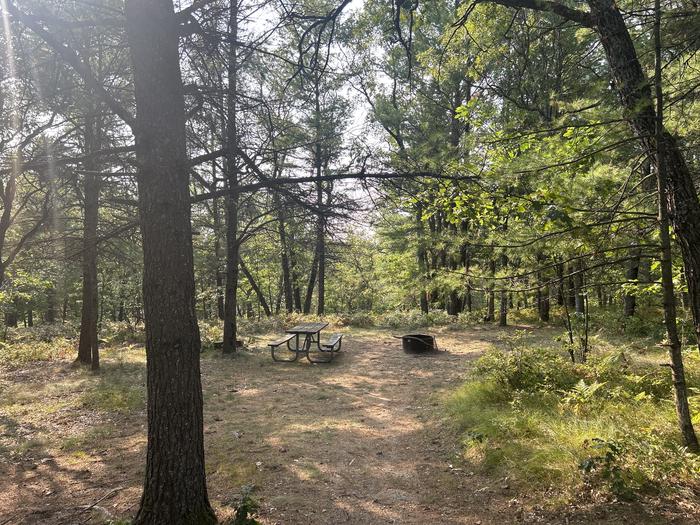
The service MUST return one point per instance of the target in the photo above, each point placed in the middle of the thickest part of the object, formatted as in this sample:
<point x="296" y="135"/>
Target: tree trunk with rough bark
<point x="256" y="288"/>
<point x="468" y="294"/>
<point x="635" y="92"/>
<point x="51" y="304"/>
<point x="560" y="288"/>
<point x="634" y="89"/>
<point x="175" y="489"/>
<point x="219" y="275"/>
<point x="543" y="300"/>
<point x="232" y="244"/>
<point x="631" y="274"/>
<point x="318" y="267"/>
<point x="312" y="282"/>
<point x="422" y="256"/>
<point x="491" y="296"/>
<point x="287" y="284"/>
<point x="685" y="420"/>
<point x="579" y="290"/>
<point x="504" y="302"/>
<point x="88" y="349"/>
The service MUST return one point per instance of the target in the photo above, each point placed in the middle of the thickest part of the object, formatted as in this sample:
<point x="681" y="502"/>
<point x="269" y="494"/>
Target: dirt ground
<point x="362" y="440"/>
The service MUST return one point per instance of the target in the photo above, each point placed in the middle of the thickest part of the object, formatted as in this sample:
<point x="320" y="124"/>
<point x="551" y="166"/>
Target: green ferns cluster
<point x="605" y="428"/>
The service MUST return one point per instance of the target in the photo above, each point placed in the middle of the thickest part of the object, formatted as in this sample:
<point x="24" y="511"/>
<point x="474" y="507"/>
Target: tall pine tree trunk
<point x="232" y="245"/>
<point x="503" y="307"/>
<point x="631" y="274"/>
<point x="175" y="489"/>
<point x="321" y="306"/>
<point x="674" y="344"/>
<point x="312" y="281"/>
<point x="219" y="275"/>
<point x="634" y="89"/>
<point x="542" y="293"/>
<point x="422" y="256"/>
<point x="284" y="255"/>
<point x="491" y="295"/>
<point x="579" y="301"/>
<point x="318" y="267"/>
<point x="88" y="350"/>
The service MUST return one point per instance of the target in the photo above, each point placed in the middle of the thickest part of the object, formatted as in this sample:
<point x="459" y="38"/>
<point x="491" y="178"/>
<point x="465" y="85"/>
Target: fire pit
<point x="418" y="343"/>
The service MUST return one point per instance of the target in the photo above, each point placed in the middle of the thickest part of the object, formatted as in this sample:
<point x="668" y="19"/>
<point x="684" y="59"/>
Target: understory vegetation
<point x="606" y="428"/>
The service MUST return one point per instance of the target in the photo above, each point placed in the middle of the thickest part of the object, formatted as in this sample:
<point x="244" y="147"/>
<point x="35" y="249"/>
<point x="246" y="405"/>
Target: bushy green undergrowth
<point x="122" y="332"/>
<point x="395" y="319"/>
<point x="20" y="352"/>
<point x="45" y="342"/>
<point x="42" y="342"/>
<point x="607" y="426"/>
<point x="606" y="320"/>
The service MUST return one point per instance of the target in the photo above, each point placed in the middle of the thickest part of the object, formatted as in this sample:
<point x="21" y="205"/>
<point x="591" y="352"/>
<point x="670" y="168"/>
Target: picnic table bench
<point x="299" y="341"/>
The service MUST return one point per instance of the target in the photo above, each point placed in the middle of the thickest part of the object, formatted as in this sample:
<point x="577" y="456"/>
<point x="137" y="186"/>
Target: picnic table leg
<point x="296" y="344"/>
<point x="275" y="358"/>
<point x="294" y="351"/>
<point x="320" y="349"/>
<point x="307" y="344"/>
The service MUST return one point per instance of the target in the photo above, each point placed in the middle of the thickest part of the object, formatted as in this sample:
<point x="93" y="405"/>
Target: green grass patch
<point x="119" y="389"/>
<point x="22" y="352"/>
<point x="604" y="427"/>
<point x="94" y="438"/>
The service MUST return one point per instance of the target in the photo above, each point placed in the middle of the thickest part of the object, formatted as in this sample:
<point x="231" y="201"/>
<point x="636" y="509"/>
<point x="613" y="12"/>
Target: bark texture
<point x="631" y="274"/>
<point x="287" y="284"/>
<point x="174" y="487"/>
<point x="88" y="349"/>
<point x="232" y="244"/>
<point x="543" y="300"/>
<point x="680" y="391"/>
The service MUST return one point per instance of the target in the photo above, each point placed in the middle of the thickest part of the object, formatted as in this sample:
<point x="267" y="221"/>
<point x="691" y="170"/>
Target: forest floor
<point x="362" y="440"/>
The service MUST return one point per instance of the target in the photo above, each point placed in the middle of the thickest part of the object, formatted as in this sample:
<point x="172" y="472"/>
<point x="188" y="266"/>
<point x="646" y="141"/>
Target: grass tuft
<point x="548" y="424"/>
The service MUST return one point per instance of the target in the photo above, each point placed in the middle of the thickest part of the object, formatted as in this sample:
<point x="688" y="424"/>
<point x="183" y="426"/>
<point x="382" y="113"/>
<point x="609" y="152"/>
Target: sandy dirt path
<point x="358" y="440"/>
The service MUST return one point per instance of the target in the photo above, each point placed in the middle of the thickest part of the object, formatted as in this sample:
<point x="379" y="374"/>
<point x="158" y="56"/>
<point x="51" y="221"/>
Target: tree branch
<point x="548" y="6"/>
<point x="71" y="57"/>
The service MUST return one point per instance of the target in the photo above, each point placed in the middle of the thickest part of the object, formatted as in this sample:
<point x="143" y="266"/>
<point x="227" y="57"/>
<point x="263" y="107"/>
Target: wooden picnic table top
<point x="307" y="328"/>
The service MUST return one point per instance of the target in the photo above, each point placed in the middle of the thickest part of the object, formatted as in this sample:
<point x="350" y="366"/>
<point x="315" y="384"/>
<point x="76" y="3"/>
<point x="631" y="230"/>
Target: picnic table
<point x="300" y="340"/>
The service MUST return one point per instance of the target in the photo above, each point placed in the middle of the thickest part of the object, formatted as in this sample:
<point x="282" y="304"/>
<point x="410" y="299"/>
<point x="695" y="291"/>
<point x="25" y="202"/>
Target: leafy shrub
<point x="398" y="319"/>
<point x="581" y="394"/>
<point x="263" y="325"/>
<point x="45" y="332"/>
<point x="403" y="319"/>
<point x="529" y="370"/>
<point x="415" y="319"/>
<point x="246" y="511"/>
<point x="636" y="326"/>
<point x="439" y="318"/>
<point x="361" y="320"/>
<point x="122" y="332"/>
<point x="210" y="333"/>
<point x="467" y="319"/>
<point x="28" y="351"/>
<point x="646" y="323"/>
<point x="606" y="460"/>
